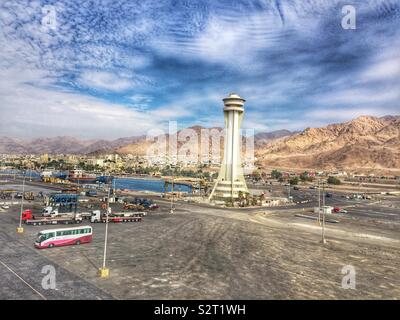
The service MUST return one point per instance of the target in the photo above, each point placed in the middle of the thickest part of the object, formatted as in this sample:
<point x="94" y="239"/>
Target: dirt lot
<point x="208" y="253"/>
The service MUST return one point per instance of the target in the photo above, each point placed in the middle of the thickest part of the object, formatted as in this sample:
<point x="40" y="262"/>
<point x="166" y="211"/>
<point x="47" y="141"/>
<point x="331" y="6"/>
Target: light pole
<point x="20" y="229"/>
<point x="172" y="197"/>
<point x="105" y="272"/>
<point x="323" y="214"/>
<point x="319" y="202"/>
<point x="323" y="228"/>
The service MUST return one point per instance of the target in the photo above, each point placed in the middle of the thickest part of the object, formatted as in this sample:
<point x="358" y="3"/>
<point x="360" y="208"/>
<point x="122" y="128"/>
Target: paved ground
<point x="205" y="253"/>
<point x="21" y="275"/>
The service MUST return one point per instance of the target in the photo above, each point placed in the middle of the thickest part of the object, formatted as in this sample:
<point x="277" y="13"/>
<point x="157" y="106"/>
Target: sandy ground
<point x="200" y="252"/>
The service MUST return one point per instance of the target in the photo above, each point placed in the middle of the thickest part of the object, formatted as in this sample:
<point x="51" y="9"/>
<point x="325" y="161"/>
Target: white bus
<point x="63" y="237"/>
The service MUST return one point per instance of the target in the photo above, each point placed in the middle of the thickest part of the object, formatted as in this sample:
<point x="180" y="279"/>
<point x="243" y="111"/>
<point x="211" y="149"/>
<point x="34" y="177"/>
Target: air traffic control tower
<point x="230" y="179"/>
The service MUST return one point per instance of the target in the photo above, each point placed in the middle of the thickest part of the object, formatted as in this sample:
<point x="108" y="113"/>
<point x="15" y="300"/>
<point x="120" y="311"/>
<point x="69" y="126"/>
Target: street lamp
<point x="172" y="197"/>
<point x="20" y="229"/>
<point x="105" y="272"/>
<point x="323" y="240"/>
<point x="319" y="202"/>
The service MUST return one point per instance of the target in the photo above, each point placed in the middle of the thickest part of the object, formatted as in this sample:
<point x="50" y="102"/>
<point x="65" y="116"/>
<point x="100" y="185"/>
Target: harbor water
<point x="154" y="185"/>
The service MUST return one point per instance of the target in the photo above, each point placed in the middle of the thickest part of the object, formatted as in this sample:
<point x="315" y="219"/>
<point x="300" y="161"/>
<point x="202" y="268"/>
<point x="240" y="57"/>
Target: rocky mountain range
<point x="365" y="142"/>
<point x="130" y="145"/>
<point x="62" y="145"/>
<point x="260" y="139"/>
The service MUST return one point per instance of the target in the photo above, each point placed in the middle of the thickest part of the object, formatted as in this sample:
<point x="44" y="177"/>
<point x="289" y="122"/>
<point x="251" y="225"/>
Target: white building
<point x="230" y="179"/>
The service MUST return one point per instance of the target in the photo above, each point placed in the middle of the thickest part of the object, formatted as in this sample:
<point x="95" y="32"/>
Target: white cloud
<point x="233" y="40"/>
<point x="360" y="97"/>
<point x="105" y="81"/>
<point x="345" y="114"/>
<point x="172" y="112"/>
<point x="26" y="110"/>
<point x="113" y="50"/>
<point x="384" y="70"/>
<point x="386" y="66"/>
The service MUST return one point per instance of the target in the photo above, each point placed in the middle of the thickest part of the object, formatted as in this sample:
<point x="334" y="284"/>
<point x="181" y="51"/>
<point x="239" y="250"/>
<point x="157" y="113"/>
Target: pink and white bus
<point x="63" y="237"/>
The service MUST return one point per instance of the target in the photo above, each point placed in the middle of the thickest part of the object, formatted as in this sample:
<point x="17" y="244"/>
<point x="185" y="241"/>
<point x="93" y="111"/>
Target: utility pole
<point x="114" y="192"/>
<point x="323" y="214"/>
<point x="105" y="272"/>
<point x="319" y="202"/>
<point x="323" y="228"/>
<point x="20" y="229"/>
<point x="172" y="196"/>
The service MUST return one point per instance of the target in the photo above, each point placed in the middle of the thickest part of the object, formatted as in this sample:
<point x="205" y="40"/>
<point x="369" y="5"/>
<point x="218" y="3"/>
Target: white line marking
<point x="13" y="272"/>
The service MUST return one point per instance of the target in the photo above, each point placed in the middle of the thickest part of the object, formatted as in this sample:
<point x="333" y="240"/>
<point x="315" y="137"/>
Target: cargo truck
<point x="98" y="216"/>
<point x="91" y="193"/>
<point x="30" y="219"/>
<point x="129" y="214"/>
<point x="50" y="211"/>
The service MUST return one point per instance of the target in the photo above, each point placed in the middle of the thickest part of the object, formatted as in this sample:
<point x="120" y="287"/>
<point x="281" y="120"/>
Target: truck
<point x="91" y="193"/>
<point x="85" y="214"/>
<point x="98" y="216"/>
<point x="323" y="209"/>
<point x="129" y="214"/>
<point x="18" y="195"/>
<point x="145" y="203"/>
<point x="339" y="210"/>
<point x="30" y="219"/>
<point x="50" y="211"/>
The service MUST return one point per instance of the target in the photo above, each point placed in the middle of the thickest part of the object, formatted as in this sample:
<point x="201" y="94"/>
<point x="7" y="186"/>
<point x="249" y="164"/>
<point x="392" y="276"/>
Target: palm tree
<point x="262" y="198"/>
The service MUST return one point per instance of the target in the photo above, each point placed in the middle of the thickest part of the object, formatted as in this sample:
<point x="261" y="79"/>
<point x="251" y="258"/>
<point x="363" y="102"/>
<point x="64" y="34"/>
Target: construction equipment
<point x="133" y="206"/>
<point x="30" y="196"/>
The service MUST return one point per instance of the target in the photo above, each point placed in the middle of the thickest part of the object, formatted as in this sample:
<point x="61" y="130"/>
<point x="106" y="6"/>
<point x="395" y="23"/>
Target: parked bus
<point x="63" y="237"/>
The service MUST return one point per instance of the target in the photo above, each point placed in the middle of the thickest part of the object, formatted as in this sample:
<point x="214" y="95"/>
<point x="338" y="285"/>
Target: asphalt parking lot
<point x="201" y="252"/>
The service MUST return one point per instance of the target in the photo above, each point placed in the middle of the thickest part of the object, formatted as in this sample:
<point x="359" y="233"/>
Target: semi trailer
<point x="30" y="219"/>
<point x="98" y="216"/>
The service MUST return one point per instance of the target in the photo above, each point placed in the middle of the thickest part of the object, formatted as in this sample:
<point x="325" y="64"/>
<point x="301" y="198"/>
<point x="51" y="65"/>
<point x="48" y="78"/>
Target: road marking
<point x="13" y="272"/>
<point x="344" y="232"/>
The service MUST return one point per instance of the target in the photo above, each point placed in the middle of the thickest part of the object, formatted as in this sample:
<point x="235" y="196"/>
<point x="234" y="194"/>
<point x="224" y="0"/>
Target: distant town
<point x="131" y="164"/>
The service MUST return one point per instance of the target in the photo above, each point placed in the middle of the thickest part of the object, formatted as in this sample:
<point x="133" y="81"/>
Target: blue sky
<point x="108" y="69"/>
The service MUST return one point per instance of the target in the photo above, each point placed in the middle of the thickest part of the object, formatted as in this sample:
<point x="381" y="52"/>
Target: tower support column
<point x="230" y="181"/>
